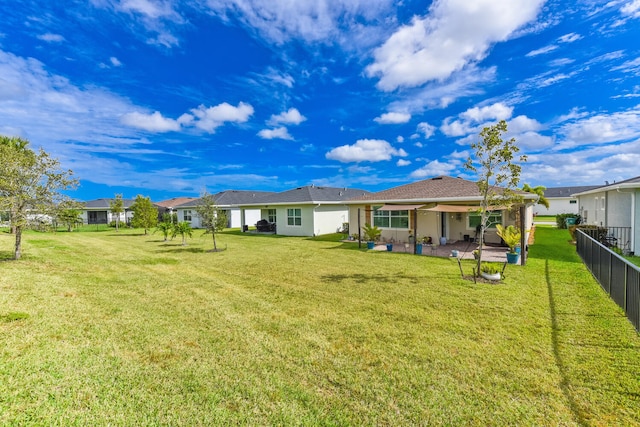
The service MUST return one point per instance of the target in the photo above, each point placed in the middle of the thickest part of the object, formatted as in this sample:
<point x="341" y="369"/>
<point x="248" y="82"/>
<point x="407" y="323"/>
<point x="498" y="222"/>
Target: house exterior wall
<point x="618" y="209"/>
<point x="316" y="220"/>
<point x="590" y="208"/>
<point x="558" y="205"/>
<point x="635" y="236"/>
<point x="429" y="225"/>
<point x="329" y="218"/>
<point x="101" y="215"/>
<point x="251" y="216"/>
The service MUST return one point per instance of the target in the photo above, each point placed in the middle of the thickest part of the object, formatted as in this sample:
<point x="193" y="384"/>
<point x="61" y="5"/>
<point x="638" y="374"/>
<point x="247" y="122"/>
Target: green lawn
<point x="105" y="328"/>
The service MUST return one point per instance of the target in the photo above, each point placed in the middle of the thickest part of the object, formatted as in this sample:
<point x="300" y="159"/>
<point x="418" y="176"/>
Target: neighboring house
<point x="169" y="206"/>
<point x="305" y="211"/>
<point x="439" y="207"/>
<point x="614" y="205"/>
<point x="229" y="202"/>
<point x="99" y="211"/>
<point x="561" y="200"/>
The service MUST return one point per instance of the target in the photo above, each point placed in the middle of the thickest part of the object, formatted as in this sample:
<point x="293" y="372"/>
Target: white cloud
<point x="290" y="117"/>
<point x="522" y="124"/>
<point x="466" y="83"/>
<point x="434" y="168"/>
<point x="393" y="118"/>
<point x="153" y="122"/>
<point x="208" y="119"/>
<point x="454" y="34"/>
<point x="365" y="150"/>
<point x="115" y="62"/>
<point x="426" y="129"/>
<point x="470" y="119"/>
<point x="51" y="38"/>
<point x="632" y="66"/>
<point x="400" y="139"/>
<point x="277" y="133"/>
<point x="569" y="38"/>
<point x="403" y="162"/>
<point x="631" y="9"/>
<point x="497" y="111"/>
<point x="533" y="140"/>
<point x="542" y="50"/>
<point x="601" y="129"/>
<point x="147" y="8"/>
<point x="349" y="23"/>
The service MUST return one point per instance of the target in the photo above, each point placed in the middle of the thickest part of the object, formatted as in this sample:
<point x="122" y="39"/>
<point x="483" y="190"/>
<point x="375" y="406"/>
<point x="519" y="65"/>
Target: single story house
<point x="229" y="202"/>
<point x="305" y="211"/>
<point x="169" y="206"/>
<point x="617" y="207"/>
<point x="443" y="208"/>
<point x="561" y="200"/>
<point x="98" y="211"/>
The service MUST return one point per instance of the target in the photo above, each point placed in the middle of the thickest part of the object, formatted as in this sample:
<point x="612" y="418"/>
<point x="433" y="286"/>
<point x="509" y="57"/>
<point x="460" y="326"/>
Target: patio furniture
<point x="265" y="226"/>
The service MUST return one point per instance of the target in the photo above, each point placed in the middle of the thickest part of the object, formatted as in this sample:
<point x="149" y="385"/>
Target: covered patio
<point x="464" y="250"/>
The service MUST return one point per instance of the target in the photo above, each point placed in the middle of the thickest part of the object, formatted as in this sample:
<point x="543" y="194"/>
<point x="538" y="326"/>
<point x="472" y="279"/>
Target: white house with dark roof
<point x="98" y="211"/>
<point x="229" y="201"/>
<point x="305" y="211"/>
<point x="561" y="200"/>
<point x="439" y="207"/>
<point x="617" y="207"/>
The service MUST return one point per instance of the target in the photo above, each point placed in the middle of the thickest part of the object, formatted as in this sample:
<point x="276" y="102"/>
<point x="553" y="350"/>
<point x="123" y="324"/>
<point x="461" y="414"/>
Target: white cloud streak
<point x="393" y="118"/>
<point x="365" y="150"/>
<point x="453" y="35"/>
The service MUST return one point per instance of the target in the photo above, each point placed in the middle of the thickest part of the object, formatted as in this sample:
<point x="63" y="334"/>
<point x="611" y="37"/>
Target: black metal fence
<point x="617" y="276"/>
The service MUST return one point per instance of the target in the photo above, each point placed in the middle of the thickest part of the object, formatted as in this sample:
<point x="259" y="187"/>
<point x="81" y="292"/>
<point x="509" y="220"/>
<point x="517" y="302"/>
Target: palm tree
<point x="539" y="191"/>
<point x="165" y="227"/>
<point x="184" y="229"/>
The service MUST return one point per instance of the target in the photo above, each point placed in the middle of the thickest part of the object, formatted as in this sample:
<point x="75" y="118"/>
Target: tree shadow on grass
<point x="6" y="255"/>
<point x="565" y="382"/>
<point x="367" y="278"/>
<point x="180" y="248"/>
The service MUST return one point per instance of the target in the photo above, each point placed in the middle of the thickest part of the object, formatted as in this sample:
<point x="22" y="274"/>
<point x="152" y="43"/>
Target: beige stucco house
<point x="442" y="208"/>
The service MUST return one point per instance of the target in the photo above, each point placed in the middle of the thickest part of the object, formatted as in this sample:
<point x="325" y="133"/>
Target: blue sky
<point x="170" y="98"/>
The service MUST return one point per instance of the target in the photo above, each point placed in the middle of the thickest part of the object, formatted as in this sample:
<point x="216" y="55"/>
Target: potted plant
<point x="490" y="271"/>
<point x="371" y="234"/>
<point x="511" y="236"/>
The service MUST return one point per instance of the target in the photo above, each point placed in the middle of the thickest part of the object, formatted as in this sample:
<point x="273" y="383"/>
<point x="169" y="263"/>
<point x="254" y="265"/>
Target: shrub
<point x="561" y="219"/>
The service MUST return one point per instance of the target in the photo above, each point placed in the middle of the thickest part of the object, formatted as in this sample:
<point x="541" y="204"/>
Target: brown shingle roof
<point x="432" y="189"/>
<point x="176" y="201"/>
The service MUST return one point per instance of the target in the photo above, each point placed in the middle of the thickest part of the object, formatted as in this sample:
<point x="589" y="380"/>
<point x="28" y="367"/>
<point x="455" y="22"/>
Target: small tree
<point x="30" y="183"/>
<point x="117" y="207"/>
<point x="145" y="215"/>
<point x="498" y="174"/>
<point x="165" y="226"/>
<point x="68" y="214"/>
<point x="183" y="229"/>
<point x="212" y="218"/>
<point x="539" y="191"/>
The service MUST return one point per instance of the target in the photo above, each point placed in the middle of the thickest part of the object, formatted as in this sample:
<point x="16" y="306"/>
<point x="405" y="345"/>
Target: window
<point x="390" y="219"/>
<point x="294" y="217"/>
<point x="573" y="202"/>
<point x="271" y="215"/>
<point x="495" y="217"/>
<point x="186" y="215"/>
<point x="602" y="203"/>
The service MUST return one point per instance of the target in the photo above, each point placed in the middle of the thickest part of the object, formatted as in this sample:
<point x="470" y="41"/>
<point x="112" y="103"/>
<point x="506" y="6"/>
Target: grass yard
<point x="105" y="328"/>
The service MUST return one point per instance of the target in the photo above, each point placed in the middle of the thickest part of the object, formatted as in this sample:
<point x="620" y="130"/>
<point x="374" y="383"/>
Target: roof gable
<point x="106" y="203"/>
<point x="311" y="194"/>
<point x="433" y="189"/>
